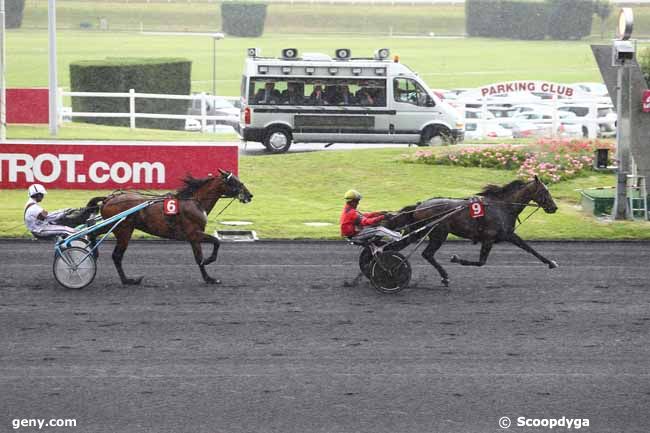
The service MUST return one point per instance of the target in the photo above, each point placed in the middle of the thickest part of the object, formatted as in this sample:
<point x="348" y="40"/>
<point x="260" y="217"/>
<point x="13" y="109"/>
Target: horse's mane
<point x="499" y="191"/>
<point x="191" y="185"/>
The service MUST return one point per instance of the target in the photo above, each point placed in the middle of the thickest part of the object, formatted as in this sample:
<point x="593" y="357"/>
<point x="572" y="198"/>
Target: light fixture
<point x="289" y="53"/>
<point x="333" y="71"/>
<point x="382" y="54"/>
<point x="356" y="71"/>
<point x="343" y="53"/>
<point x="309" y="70"/>
<point x="253" y="52"/>
<point x="380" y="71"/>
<point x="262" y="69"/>
<point x="286" y="70"/>
<point x="625" y="24"/>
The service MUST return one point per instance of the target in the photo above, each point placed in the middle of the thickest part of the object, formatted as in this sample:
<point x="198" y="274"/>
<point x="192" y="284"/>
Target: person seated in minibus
<point x="331" y="95"/>
<point x="317" y="97"/>
<point x="345" y="97"/>
<point x="379" y="96"/>
<point x="294" y="95"/>
<point x="365" y="96"/>
<point x="268" y="95"/>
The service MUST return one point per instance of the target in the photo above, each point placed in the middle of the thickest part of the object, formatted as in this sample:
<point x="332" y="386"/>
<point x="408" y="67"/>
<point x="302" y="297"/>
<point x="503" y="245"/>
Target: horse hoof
<point x="553" y="265"/>
<point x="132" y="281"/>
<point x="455" y="259"/>
<point x="445" y="282"/>
<point x="212" y="281"/>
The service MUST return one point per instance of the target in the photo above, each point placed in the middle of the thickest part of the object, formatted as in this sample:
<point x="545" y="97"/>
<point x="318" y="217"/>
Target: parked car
<point x="217" y="106"/>
<point x="604" y="114"/>
<point x="520" y="128"/>
<point x="500" y="112"/>
<point x="472" y="113"/>
<point x="568" y="124"/>
<point x="486" y="130"/>
<point x="193" y="124"/>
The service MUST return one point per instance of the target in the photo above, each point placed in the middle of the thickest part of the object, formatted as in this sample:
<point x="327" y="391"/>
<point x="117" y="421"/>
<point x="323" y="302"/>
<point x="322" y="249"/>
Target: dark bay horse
<point x="502" y="208"/>
<point x="196" y="200"/>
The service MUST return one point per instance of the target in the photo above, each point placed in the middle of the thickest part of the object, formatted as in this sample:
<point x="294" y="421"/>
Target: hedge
<point x="151" y="75"/>
<point x="14" y="10"/>
<point x="243" y="19"/>
<point x="558" y="19"/>
<point x="570" y="19"/>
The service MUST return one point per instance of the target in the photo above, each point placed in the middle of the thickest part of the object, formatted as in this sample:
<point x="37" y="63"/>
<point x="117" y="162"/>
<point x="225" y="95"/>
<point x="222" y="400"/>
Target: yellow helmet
<point x="352" y="195"/>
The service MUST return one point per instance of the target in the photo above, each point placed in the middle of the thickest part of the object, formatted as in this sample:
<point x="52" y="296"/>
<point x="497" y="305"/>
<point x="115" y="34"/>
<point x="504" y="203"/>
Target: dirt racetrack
<point x="283" y="346"/>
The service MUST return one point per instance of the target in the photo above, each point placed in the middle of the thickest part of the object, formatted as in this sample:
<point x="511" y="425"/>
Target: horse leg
<point x="355" y="282"/>
<point x="123" y="234"/>
<point x="515" y="239"/>
<point x="435" y="242"/>
<point x="486" y="247"/>
<point x="198" y="256"/>
<point x="215" y="247"/>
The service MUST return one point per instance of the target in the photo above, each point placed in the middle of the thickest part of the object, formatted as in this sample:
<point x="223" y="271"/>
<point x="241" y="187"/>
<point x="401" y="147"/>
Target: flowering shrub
<point x="552" y="160"/>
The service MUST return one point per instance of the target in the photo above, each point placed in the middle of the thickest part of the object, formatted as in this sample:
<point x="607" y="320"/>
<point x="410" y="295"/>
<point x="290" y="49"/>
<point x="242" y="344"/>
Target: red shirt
<point x="352" y="221"/>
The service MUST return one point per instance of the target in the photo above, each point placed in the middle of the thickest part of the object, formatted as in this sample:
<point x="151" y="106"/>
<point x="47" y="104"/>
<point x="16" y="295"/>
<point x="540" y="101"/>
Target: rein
<point x="226" y="207"/>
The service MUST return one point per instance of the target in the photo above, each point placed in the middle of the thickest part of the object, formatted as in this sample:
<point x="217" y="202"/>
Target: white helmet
<point x="37" y="188"/>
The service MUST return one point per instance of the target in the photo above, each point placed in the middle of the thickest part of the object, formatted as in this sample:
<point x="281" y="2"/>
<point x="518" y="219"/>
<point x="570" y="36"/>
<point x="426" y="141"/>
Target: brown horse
<point x="502" y="208"/>
<point x="196" y="200"/>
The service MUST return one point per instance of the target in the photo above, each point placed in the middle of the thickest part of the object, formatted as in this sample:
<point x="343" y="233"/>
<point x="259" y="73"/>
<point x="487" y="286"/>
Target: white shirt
<point x="32" y="211"/>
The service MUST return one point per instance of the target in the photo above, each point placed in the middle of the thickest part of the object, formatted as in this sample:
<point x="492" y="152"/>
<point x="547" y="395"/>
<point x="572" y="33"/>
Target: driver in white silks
<point x="38" y="221"/>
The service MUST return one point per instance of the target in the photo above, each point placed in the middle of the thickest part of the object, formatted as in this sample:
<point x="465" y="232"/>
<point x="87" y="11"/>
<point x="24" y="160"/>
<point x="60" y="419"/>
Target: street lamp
<point x="215" y="38"/>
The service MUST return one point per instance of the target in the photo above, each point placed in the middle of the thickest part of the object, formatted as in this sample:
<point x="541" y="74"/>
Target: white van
<point x="315" y="98"/>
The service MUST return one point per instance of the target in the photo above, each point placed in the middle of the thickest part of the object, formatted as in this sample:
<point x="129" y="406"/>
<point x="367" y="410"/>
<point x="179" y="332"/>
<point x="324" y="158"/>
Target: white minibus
<point x="318" y="99"/>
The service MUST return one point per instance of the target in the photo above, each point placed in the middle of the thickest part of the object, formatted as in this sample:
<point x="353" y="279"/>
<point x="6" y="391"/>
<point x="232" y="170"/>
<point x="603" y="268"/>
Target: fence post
<point x="132" y="108"/>
<point x="204" y="121"/>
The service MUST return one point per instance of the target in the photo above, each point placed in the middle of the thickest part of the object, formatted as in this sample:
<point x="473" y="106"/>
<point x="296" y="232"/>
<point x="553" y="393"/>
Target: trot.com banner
<point x="110" y="166"/>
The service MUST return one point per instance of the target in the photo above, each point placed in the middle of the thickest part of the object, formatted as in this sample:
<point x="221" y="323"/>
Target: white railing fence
<point x="204" y="117"/>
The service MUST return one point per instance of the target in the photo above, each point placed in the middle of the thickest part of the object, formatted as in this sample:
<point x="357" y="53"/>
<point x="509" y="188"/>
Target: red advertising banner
<point x="27" y="106"/>
<point x="111" y="166"/>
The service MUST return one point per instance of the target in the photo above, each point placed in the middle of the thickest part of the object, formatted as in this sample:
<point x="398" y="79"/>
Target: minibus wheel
<point x="436" y="136"/>
<point x="277" y="139"/>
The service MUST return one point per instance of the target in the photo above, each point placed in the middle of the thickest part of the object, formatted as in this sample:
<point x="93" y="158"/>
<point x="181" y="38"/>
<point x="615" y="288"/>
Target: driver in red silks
<point x="361" y="225"/>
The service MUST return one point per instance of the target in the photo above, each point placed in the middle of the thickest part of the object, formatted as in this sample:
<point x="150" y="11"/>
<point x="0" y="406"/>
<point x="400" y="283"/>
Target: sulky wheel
<point x="390" y="272"/>
<point x="365" y="262"/>
<point x="74" y="268"/>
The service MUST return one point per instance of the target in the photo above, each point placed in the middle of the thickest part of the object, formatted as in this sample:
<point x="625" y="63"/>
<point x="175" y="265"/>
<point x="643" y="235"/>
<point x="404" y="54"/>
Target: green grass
<point x="83" y="131"/>
<point x="307" y="187"/>
<point x="313" y="18"/>
<point x="442" y="63"/>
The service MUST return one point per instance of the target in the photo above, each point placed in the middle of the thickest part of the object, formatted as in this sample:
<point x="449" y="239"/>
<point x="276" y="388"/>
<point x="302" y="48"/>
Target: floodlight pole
<point x="3" y="90"/>
<point x="214" y="66"/>
<point x="53" y="84"/>
<point x="621" y="208"/>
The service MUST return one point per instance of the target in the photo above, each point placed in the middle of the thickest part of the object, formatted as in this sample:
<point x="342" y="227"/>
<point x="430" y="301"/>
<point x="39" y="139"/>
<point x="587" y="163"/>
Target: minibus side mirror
<point x="430" y="102"/>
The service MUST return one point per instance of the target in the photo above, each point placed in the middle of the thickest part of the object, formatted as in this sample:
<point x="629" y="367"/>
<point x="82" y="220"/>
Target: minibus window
<point x="409" y="91"/>
<point x="317" y="91"/>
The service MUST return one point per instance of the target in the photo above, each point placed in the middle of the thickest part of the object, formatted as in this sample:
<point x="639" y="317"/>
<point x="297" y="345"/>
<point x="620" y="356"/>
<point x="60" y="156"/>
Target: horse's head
<point x="234" y="187"/>
<point x="542" y="196"/>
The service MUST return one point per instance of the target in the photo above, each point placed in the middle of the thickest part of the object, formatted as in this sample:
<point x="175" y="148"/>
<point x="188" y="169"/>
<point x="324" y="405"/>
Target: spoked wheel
<point x="390" y="272"/>
<point x="365" y="262"/>
<point x="74" y="268"/>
